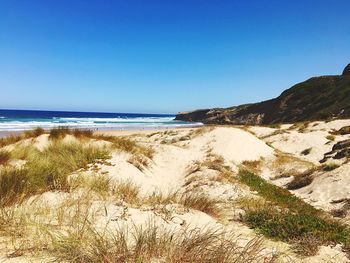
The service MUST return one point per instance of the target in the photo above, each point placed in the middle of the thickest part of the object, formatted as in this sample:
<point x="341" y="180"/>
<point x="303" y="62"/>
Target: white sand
<point x="176" y="152"/>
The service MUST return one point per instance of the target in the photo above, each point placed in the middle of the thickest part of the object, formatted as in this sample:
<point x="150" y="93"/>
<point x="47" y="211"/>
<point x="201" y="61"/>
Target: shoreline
<point x="116" y="132"/>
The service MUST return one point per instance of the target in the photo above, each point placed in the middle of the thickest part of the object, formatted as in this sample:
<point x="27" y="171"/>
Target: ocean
<point x="19" y="120"/>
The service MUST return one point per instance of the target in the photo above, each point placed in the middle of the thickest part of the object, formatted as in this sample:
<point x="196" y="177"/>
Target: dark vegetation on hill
<point x="318" y="98"/>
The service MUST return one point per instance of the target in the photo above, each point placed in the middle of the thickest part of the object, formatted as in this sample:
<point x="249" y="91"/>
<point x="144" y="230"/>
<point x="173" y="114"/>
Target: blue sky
<point x="164" y="56"/>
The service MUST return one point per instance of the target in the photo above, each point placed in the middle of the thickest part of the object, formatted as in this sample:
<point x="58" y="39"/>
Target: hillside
<point x="318" y="98"/>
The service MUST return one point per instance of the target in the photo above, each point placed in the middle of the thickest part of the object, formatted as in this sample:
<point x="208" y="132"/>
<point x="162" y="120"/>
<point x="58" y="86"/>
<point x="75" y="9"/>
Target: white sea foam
<point x="96" y="123"/>
<point x="119" y="119"/>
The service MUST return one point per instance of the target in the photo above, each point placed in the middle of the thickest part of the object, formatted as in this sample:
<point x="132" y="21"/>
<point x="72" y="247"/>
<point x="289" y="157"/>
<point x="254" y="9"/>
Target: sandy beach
<point x="162" y="167"/>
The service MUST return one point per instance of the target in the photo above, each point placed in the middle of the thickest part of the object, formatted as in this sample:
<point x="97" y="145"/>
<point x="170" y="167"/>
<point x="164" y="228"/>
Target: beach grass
<point x="46" y="170"/>
<point x="5" y="157"/>
<point x="154" y="243"/>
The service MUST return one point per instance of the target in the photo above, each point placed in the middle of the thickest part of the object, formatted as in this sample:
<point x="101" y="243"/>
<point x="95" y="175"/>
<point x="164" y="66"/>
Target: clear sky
<point x="162" y="56"/>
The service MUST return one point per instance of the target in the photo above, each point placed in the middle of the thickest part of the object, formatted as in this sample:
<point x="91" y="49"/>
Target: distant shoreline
<point x="114" y="131"/>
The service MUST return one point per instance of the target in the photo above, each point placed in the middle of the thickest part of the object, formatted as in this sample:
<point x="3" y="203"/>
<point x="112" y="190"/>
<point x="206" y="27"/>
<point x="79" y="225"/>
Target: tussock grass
<point x="10" y="140"/>
<point x="288" y="218"/>
<point x="152" y="243"/>
<point x="13" y="183"/>
<point x="5" y="157"/>
<point x="61" y="132"/>
<point x="200" y="131"/>
<point x="118" y="142"/>
<point x="100" y="184"/>
<point x="160" y="198"/>
<point x="300" y="126"/>
<point x="140" y="155"/>
<point x="139" y="161"/>
<point x="34" y="133"/>
<point x="128" y="191"/>
<point x="191" y="200"/>
<point x="253" y="166"/>
<point x="16" y="138"/>
<point x="212" y="162"/>
<point x="48" y="169"/>
<point x="127" y="145"/>
<point x="201" y="202"/>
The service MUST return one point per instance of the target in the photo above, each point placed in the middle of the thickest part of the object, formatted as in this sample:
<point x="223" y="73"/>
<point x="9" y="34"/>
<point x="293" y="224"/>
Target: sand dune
<point x="198" y="162"/>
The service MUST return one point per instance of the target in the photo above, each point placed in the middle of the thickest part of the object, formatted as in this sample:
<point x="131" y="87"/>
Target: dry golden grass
<point x="213" y="162"/>
<point x="200" y="202"/>
<point x="300" y="126"/>
<point x="139" y="161"/>
<point x="61" y="132"/>
<point x="253" y="166"/>
<point x="191" y="200"/>
<point x="13" y="183"/>
<point x="5" y="157"/>
<point x="46" y="170"/>
<point x="34" y="133"/>
<point x="152" y="243"/>
<point x="98" y="183"/>
<point x="200" y="131"/>
<point x="128" y="191"/>
<point x="160" y="198"/>
<point x="285" y="165"/>
<point x="11" y="139"/>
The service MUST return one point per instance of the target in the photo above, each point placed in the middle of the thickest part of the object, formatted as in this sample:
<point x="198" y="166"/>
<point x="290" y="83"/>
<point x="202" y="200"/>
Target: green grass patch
<point x="280" y="196"/>
<point x="287" y="218"/>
